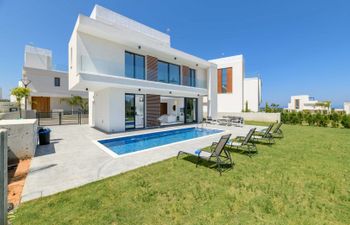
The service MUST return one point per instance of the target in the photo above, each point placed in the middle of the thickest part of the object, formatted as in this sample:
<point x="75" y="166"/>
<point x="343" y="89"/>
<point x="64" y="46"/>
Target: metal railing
<point x="61" y="118"/>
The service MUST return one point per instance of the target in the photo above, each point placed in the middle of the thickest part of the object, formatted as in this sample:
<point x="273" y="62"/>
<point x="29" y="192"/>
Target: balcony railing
<point x="93" y="65"/>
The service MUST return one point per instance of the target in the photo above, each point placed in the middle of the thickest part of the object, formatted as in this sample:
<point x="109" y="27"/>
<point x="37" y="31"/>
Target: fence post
<point x="38" y="117"/>
<point x="3" y="176"/>
<point x="60" y="118"/>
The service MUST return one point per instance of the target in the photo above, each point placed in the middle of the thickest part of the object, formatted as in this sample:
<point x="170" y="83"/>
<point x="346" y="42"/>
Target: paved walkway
<point x="72" y="159"/>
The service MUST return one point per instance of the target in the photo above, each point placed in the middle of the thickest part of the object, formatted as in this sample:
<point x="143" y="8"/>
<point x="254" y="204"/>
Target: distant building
<point x="0" y="93"/>
<point x="48" y="86"/>
<point x="347" y="107"/>
<point x="305" y="102"/>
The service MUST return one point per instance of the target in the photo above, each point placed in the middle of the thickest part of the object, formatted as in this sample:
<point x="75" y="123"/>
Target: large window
<point x="224" y="80"/>
<point x="192" y="78"/>
<point x="134" y="65"/>
<point x="168" y="73"/>
<point x="163" y="72"/>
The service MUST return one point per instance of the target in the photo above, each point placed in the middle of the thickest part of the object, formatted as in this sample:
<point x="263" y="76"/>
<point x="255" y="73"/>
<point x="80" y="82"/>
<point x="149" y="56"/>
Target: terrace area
<point x="73" y="159"/>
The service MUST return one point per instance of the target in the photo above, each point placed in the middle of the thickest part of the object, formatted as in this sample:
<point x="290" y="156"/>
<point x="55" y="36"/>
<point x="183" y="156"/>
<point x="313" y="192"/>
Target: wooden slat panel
<point x="153" y="110"/>
<point x="185" y="75"/>
<point x="219" y="80"/>
<point x="152" y="68"/>
<point x="229" y="80"/>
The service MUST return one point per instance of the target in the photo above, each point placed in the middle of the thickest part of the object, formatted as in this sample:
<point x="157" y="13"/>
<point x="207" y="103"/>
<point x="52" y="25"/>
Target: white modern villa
<point x="305" y="102"/>
<point x="136" y="79"/>
<point x="48" y="86"/>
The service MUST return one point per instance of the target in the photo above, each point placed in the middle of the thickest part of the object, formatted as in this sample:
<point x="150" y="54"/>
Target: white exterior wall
<point x="96" y="55"/>
<point x="347" y="107"/>
<point x="252" y="93"/>
<point x="37" y="57"/>
<point x="231" y="102"/>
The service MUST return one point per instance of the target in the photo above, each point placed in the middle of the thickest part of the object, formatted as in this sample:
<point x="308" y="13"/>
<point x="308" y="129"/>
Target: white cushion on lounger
<point x="257" y="137"/>
<point x="235" y="143"/>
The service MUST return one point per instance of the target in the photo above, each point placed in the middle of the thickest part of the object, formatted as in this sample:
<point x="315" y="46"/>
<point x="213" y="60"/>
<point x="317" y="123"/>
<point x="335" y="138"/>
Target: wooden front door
<point x="41" y="104"/>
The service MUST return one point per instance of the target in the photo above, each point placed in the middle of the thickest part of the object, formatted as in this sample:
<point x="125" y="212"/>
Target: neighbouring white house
<point x="136" y="79"/>
<point x="252" y="93"/>
<point x="48" y="86"/>
<point x="347" y="107"/>
<point x="305" y="102"/>
<point x="233" y="88"/>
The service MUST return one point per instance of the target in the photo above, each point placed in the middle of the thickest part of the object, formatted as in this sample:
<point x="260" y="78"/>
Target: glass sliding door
<point x="139" y="111"/>
<point x="190" y="110"/>
<point x="134" y="111"/>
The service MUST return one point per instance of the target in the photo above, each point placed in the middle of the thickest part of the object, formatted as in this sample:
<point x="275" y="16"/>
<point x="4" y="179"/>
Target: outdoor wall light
<point x="139" y="46"/>
<point x="86" y="89"/>
<point x="175" y="58"/>
<point x="197" y="64"/>
<point x="170" y="92"/>
<point x="139" y="89"/>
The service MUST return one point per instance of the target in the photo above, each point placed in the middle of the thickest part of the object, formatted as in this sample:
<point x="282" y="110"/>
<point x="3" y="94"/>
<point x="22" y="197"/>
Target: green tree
<point x="246" y="107"/>
<point x="267" y="107"/>
<point x="20" y="93"/>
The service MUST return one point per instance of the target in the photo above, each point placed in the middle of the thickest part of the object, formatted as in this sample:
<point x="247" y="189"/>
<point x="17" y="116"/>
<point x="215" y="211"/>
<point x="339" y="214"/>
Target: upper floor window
<point x="134" y="65"/>
<point x="57" y="82"/>
<point x="224" y="80"/>
<point x="192" y="78"/>
<point x="168" y="73"/>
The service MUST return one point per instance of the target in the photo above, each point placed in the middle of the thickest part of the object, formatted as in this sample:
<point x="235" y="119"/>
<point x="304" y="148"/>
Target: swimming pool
<point x="129" y="144"/>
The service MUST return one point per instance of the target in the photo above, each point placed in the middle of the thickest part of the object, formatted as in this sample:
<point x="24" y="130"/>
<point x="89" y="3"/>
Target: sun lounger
<point x="218" y="153"/>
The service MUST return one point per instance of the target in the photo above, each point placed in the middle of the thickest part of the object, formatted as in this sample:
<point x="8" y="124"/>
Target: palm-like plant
<point x="20" y="93"/>
<point x="76" y="101"/>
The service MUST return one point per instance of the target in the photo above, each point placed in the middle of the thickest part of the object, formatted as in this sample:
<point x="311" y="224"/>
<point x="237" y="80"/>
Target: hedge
<point x="321" y="119"/>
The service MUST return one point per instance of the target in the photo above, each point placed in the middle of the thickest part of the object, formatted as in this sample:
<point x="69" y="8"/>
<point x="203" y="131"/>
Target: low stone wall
<point x="22" y="138"/>
<point x="255" y="116"/>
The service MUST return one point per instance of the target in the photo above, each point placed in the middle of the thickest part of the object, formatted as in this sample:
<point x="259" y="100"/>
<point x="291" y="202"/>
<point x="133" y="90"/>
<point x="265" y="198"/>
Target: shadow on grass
<point x="242" y="152"/>
<point x="208" y="164"/>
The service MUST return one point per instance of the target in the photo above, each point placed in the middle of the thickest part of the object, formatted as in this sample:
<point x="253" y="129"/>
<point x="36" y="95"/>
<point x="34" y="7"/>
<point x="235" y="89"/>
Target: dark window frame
<point x="134" y="65"/>
<point x="57" y="82"/>
<point x="168" y="72"/>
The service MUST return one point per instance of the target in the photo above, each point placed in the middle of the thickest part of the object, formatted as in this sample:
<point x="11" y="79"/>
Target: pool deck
<point x="73" y="159"/>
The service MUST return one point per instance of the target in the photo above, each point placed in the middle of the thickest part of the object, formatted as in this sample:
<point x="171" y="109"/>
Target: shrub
<point x="324" y="120"/>
<point x="345" y="121"/>
<point x="335" y="118"/>
<point x="310" y="119"/>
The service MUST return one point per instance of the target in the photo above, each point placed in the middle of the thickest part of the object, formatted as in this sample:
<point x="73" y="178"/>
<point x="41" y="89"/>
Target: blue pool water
<point x="124" y="145"/>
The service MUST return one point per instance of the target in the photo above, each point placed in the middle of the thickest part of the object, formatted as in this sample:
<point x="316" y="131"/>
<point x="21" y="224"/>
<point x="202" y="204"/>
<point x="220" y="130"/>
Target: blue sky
<point x="298" y="47"/>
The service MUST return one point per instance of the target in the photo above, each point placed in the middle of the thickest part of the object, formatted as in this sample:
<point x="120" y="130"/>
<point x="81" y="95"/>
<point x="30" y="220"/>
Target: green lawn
<point x="302" y="179"/>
